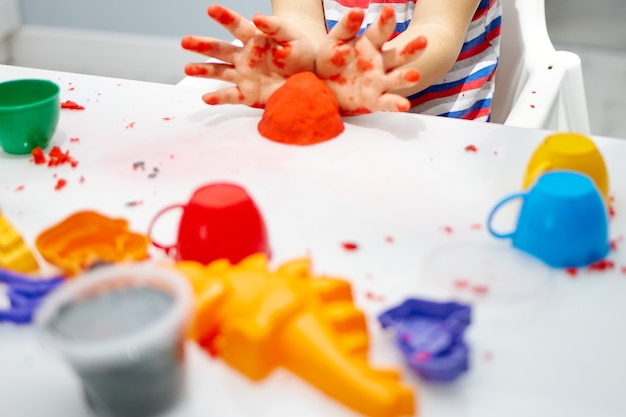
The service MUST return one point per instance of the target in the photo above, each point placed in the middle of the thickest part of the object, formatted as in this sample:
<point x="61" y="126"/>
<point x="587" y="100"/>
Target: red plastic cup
<point x="220" y="221"/>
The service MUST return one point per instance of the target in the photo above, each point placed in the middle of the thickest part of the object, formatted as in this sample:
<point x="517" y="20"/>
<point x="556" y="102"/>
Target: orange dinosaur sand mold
<point x="256" y="320"/>
<point x="303" y="111"/>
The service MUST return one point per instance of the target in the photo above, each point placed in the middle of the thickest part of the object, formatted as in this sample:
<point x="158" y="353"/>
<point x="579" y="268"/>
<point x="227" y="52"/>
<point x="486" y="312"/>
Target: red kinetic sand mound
<point x="303" y="111"/>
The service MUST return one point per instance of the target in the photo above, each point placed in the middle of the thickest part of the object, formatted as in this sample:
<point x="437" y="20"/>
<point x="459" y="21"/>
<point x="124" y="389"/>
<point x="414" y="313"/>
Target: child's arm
<point x="444" y="23"/>
<point x="272" y="51"/>
<point x="306" y="15"/>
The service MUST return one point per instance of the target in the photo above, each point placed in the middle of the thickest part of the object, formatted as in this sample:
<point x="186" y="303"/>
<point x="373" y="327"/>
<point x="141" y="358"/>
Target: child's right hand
<point x="271" y="52"/>
<point x="357" y="69"/>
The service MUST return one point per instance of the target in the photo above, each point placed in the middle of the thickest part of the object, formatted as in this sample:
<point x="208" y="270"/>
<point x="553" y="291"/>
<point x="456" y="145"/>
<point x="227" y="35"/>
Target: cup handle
<point x="532" y="176"/>
<point x="493" y="213"/>
<point x="166" y="248"/>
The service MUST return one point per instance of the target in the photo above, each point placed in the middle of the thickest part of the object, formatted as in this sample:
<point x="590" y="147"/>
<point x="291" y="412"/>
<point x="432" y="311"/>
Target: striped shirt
<point x="466" y="91"/>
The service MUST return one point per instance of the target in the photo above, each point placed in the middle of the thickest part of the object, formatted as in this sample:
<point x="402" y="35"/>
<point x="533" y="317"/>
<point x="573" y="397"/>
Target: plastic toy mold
<point x="256" y="320"/>
<point x="25" y="293"/>
<point x="86" y="238"/>
<point x="14" y="254"/>
<point x="430" y="336"/>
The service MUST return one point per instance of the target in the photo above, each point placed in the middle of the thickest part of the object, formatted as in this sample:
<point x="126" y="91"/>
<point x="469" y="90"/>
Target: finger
<point x="226" y="95"/>
<point x="238" y="26"/>
<point x="276" y="29"/>
<point x="210" y="47"/>
<point x="224" y="72"/>
<point x="349" y="25"/>
<point x="380" y="31"/>
<point x="393" y="59"/>
<point x="401" y="78"/>
<point x="392" y="102"/>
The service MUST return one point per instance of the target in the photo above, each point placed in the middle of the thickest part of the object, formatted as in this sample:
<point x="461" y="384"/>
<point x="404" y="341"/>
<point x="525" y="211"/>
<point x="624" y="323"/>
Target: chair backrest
<point x="9" y="22"/>
<point x="524" y="41"/>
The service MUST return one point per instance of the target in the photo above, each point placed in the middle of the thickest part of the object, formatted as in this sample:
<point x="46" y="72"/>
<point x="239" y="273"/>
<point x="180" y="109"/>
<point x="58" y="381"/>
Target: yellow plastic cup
<point x="29" y="113"/>
<point x="571" y="152"/>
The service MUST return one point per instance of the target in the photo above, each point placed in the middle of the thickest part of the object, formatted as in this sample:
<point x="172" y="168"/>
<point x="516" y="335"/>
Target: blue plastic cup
<point x="563" y="220"/>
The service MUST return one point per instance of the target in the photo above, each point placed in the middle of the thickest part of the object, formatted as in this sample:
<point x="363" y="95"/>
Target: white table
<point x="401" y="186"/>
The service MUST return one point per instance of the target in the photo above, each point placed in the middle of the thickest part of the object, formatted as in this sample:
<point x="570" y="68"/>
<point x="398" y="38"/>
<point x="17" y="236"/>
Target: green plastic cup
<point x="29" y="113"/>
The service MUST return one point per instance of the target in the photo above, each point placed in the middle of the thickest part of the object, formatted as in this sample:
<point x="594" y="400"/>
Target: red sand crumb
<point x="56" y="156"/>
<point x="130" y="125"/>
<point x="461" y="283"/>
<point x="374" y="297"/>
<point x="421" y="356"/>
<point x="488" y="356"/>
<point x="476" y="226"/>
<point x="571" y="271"/>
<point x="611" y="212"/>
<point x="614" y="243"/>
<point x="448" y="229"/>
<point x="134" y="203"/>
<point x="303" y="111"/>
<point x="602" y="265"/>
<point x="623" y="269"/>
<point x="74" y="140"/>
<point x="349" y="246"/>
<point x="60" y="184"/>
<point x="38" y="156"/>
<point x="19" y="188"/>
<point x="471" y="148"/>
<point x="389" y="239"/>
<point x="71" y="105"/>
<point x="480" y="289"/>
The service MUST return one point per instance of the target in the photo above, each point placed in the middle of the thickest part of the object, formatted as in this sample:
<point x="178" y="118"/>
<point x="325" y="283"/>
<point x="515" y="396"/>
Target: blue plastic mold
<point x="430" y="335"/>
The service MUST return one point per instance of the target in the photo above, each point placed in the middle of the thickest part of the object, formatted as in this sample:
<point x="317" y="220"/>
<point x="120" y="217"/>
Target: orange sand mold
<point x="88" y="237"/>
<point x="303" y="111"/>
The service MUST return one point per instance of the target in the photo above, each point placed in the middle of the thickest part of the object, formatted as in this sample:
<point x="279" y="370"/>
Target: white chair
<point x="536" y="86"/>
<point x="10" y="20"/>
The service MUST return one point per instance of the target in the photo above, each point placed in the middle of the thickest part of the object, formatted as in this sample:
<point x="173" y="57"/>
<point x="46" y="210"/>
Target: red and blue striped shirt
<point x="466" y="91"/>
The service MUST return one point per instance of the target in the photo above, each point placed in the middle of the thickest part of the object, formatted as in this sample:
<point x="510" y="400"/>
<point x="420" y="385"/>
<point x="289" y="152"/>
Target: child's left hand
<point x="359" y="72"/>
<point x="271" y="52"/>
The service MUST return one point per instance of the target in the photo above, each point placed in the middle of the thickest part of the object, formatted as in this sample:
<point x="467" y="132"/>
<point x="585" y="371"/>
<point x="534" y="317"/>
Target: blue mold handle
<point x="25" y="294"/>
<point x="493" y="213"/>
<point x="17" y="315"/>
<point x="430" y="335"/>
<point x="26" y="281"/>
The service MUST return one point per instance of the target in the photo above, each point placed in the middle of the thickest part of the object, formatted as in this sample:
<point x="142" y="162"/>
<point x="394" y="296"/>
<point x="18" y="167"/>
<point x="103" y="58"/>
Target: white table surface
<point x="543" y="343"/>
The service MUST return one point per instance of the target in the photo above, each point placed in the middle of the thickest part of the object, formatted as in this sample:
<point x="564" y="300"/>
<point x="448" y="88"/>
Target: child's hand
<point x="271" y="52"/>
<point x="359" y="72"/>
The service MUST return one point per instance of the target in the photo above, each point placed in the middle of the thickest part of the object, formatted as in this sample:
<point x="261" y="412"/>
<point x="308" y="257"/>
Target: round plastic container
<point x="122" y="330"/>
<point x="29" y="113"/>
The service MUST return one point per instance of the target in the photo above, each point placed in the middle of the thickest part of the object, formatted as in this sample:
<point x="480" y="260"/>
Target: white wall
<point x="136" y="39"/>
<point x="173" y="18"/>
